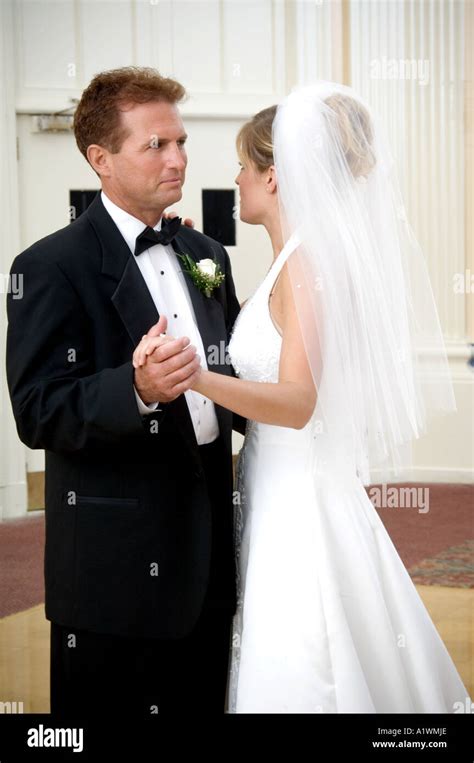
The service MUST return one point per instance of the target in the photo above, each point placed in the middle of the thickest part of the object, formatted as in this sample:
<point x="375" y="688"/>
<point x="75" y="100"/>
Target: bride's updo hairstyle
<point x="254" y="140"/>
<point x="355" y="133"/>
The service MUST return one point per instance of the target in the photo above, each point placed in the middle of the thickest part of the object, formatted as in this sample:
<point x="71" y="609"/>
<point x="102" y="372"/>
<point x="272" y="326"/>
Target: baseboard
<point x="35" y="490"/>
<point x="434" y="475"/>
<point x="13" y="500"/>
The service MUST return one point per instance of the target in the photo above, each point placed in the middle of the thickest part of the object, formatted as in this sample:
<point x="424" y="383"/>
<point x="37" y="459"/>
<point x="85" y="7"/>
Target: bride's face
<point x="254" y="197"/>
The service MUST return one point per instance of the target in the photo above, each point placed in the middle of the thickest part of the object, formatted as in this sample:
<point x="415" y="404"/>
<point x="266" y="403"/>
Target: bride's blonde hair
<point x="255" y="145"/>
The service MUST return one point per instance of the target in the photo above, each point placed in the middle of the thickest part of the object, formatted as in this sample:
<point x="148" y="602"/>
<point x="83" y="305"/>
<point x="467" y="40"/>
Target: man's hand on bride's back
<point x="165" y="367"/>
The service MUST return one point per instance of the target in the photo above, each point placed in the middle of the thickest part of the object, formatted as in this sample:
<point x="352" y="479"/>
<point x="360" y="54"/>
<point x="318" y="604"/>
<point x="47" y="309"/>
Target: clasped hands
<point x="165" y="367"/>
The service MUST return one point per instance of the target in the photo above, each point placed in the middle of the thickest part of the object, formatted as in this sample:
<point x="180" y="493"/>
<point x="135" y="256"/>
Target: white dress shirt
<point x="160" y="269"/>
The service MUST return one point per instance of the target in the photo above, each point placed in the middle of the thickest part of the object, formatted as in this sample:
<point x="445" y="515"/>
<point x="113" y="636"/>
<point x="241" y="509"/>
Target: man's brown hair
<point x="97" y="118"/>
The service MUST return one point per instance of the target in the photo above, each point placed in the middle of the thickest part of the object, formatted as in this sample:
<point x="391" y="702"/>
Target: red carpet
<point x="21" y="563"/>
<point x="434" y="544"/>
<point x="432" y="531"/>
<point x="449" y="521"/>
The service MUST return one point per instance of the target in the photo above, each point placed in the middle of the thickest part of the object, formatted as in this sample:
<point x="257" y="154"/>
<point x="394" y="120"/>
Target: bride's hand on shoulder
<point x="188" y="222"/>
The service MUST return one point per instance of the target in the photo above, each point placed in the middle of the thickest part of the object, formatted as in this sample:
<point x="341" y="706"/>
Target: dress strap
<point x="280" y="260"/>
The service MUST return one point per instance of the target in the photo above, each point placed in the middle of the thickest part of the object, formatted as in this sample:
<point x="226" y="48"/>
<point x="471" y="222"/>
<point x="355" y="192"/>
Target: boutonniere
<point x="206" y="274"/>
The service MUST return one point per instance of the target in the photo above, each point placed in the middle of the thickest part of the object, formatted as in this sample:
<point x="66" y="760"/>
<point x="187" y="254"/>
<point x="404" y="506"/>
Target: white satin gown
<point x="328" y="620"/>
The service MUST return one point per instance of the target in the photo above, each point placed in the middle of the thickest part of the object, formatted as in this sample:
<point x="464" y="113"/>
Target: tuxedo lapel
<point x="131" y="298"/>
<point x="211" y="322"/>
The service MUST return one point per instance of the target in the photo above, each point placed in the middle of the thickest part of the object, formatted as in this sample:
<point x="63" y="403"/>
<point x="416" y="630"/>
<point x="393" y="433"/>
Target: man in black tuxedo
<point x="139" y="560"/>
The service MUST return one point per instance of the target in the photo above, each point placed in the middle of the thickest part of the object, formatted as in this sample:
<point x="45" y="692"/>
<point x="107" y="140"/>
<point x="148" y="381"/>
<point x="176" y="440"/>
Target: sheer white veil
<point x="363" y="294"/>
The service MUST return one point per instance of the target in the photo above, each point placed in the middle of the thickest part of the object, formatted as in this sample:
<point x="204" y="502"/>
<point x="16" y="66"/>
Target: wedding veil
<point x="363" y="295"/>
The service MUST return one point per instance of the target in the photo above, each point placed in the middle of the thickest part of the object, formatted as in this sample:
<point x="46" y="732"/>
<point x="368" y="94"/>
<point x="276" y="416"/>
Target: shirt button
<point x="162" y="272"/>
<point x="175" y="315"/>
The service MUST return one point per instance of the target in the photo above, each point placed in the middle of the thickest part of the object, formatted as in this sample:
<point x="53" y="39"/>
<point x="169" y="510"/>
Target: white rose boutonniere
<point x="206" y="274"/>
<point x="208" y="267"/>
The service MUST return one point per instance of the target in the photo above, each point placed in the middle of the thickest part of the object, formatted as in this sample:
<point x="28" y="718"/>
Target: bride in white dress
<point x="328" y="620"/>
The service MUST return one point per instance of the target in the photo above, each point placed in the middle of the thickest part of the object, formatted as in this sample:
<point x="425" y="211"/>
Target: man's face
<point x="148" y="172"/>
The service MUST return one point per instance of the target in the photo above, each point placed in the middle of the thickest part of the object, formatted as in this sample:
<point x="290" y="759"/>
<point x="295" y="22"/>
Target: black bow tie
<point x="150" y="237"/>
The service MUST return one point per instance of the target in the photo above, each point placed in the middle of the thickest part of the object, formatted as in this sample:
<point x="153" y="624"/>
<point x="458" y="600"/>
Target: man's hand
<point x="165" y="367"/>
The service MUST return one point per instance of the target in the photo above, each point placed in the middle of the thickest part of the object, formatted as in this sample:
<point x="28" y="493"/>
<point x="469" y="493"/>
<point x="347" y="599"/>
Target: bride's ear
<point x="271" y="179"/>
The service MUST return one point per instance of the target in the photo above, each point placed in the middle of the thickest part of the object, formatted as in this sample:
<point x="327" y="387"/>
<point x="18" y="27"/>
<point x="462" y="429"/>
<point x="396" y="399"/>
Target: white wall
<point x="231" y="54"/>
<point x="13" y="494"/>
<point x="236" y="57"/>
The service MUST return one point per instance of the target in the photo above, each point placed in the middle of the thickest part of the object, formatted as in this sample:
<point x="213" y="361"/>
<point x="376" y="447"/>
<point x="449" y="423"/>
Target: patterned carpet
<point x="433" y="533"/>
<point x="452" y="567"/>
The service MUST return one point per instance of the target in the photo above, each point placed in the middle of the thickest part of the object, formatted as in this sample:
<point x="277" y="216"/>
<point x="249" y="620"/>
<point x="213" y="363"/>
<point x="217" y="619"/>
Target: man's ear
<point x="98" y="158"/>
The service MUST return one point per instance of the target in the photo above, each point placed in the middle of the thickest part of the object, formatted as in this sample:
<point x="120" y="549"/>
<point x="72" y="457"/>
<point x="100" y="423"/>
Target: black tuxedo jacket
<point x="128" y="518"/>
